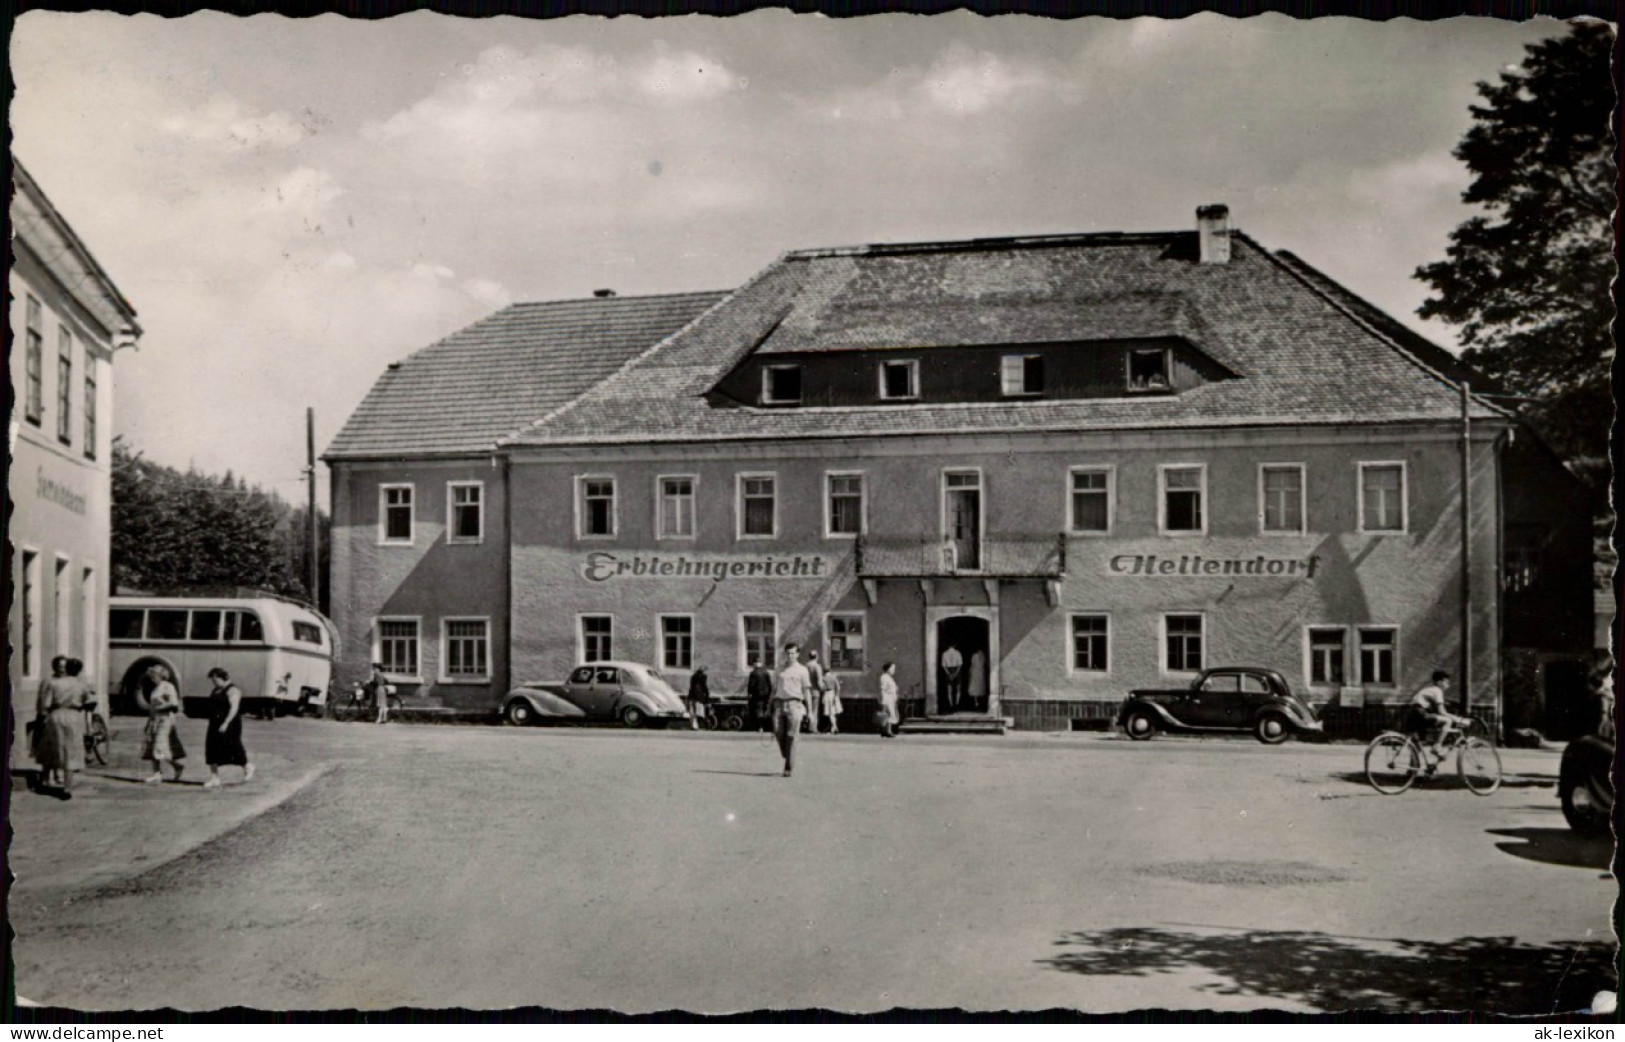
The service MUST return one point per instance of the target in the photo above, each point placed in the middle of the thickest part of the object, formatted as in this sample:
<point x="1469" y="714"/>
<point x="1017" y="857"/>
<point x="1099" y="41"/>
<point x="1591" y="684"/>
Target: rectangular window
<point x="597" y="638"/>
<point x="395" y="513"/>
<point x="595" y="508"/>
<point x="760" y="635"/>
<point x="1280" y="492"/>
<point x="781" y="384"/>
<point x="1092" y="499"/>
<point x="62" y="589"/>
<point x="90" y="408"/>
<point x="167" y="624"/>
<point x="1184" y="637"/>
<point x="64" y="385"/>
<point x="1022" y="374"/>
<point x="126" y="624"/>
<point x="206" y="626"/>
<point x="1089" y="644"/>
<point x="307" y="633"/>
<point x="1382" y="497"/>
<point x="398" y="646"/>
<point x="1182" y="495"/>
<point x="845" y="504"/>
<point x="92" y="616"/>
<point x="1523" y="551"/>
<point x="676" y="508"/>
<point x="1377" y="654"/>
<point x="465" y="511"/>
<point x="31" y="614"/>
<point x="245" y="625"/>
<point x="758" y="506"/>
<point x="899" y="380"/>
<point x="468" y="643"/>
<point x="1327" y="653"/>
<point x="843" y="641"/>
<point x="34" y="396"/>
<point x="1148" y="369"/>
<point x="677" y="641"/>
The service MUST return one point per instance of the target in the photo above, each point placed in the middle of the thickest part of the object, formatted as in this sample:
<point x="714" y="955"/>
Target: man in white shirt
<point x="952" y="666"/>
<point x="790" y="698"/>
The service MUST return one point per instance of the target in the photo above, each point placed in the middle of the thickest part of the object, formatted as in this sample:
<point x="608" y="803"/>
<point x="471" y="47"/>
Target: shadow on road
<point x="1481" y="974"/>
<point x="1559" y="846"/>
<point x="742" y="774"/>
<point x="1448" y="779"/>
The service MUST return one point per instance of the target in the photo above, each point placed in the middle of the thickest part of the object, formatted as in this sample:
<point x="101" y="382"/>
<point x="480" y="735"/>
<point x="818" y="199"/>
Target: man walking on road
<point x="790" y="704"/>
<point x="759" y="692"/>
<point x="815" y="695"/>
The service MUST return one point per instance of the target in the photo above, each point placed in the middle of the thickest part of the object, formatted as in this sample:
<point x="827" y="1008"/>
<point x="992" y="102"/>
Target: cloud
<point x="1414" y="181"/>
<point x="968" y="82"/>
<point x="684" y="77"/>
<point x="224" y="124"/>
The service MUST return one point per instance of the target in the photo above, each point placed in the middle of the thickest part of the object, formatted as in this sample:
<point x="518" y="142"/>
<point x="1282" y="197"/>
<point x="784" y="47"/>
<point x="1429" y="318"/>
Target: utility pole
<point x="1466" y="552"/>
<point x="310" y="526"/>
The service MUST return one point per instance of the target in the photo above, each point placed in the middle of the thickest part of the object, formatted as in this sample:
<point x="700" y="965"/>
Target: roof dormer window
<point x="781" y="385"/>
<point x="899" y="381"/>
<point x="1021" y="375"/>
<point x="1148" y="369"/>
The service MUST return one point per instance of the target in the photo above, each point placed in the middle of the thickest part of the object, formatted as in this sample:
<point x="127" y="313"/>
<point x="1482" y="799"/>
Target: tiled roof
<point x="1304" y="353"/>
<point x="467" y="391"/>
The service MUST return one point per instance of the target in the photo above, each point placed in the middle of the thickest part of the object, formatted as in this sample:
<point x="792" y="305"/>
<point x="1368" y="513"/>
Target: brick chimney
<point x="1213" y="233"/>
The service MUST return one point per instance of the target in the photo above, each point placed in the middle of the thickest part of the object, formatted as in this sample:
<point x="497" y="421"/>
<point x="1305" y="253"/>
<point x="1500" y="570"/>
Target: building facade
<point x="67" y="320"/>
<point x="1084" y="463"/>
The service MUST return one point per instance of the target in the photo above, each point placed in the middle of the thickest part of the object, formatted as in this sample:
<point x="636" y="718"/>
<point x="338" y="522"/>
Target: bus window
<point x="308" y="632"/>
<point x="166" y="624"/>
<point x="126" y="623"/>
<point x="206" y="625"/>
<point x="248" y="626"/>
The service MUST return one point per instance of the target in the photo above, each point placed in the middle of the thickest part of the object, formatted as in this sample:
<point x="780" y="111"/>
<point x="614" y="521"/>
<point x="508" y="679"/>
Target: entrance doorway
<point x="963" y="664"/>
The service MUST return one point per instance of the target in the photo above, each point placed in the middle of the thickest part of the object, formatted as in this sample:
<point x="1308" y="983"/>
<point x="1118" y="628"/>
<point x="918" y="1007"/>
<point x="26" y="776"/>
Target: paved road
<point x="488" y="867"/>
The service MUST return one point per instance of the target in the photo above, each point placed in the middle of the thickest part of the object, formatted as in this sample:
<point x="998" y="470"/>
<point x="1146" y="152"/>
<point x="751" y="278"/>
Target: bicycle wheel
<point x="97" y="740"/>
<point x="1479" y="766"/>
<point x="1392" y="762"/>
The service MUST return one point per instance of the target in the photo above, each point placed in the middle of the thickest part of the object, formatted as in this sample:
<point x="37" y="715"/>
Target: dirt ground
<point x="375" y="867"/>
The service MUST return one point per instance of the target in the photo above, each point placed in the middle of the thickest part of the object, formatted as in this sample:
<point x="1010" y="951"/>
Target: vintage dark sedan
<point x="633" y="693"/>
<point x="1229" y="698"/>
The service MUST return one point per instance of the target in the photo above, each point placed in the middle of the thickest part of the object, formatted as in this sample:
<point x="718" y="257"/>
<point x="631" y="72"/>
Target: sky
<point x="290" y="205"/>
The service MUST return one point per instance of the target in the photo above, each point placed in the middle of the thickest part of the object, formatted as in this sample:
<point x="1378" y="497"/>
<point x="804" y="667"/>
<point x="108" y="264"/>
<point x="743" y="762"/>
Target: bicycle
<point x="97" y="736"/>
<point x="1394" y="760"/>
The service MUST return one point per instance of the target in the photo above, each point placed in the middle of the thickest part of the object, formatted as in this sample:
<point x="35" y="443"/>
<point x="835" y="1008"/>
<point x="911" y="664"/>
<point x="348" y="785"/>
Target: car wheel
<point x="519" y="713"/>
<point x="1583" y="786"/>
<point x="1272" y="729"/>
<point x="734" y="722"/>
<point x="1140" y="725"/>
<point x="632" y="716"/>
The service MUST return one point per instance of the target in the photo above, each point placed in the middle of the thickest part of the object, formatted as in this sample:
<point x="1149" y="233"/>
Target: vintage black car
<point x="1228" y="698"/>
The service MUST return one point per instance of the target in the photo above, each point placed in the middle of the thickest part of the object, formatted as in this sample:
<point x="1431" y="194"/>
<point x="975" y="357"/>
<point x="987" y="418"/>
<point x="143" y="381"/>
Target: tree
<point x="176" y="533"/>
<point x="1528" y="279"/>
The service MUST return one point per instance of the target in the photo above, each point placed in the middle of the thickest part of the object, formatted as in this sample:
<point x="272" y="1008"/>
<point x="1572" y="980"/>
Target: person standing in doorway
<point x="815" y="697"/>
<point x="223" y="746"/>
<point x="953" y="671"/>
<point x="888" y="700"/>
<point x="758" y="693"/>
<point x="790" y="696"/>
<point x="976" y="682"/>
<point x="699" y="697"/>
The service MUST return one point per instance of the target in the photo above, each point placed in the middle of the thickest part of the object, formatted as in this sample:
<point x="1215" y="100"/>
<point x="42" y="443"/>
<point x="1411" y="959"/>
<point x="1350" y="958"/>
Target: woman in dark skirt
<point x="223" y="746"/>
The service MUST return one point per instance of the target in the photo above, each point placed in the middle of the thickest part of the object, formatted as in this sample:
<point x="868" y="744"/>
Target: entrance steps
<point x="957" y="723"/>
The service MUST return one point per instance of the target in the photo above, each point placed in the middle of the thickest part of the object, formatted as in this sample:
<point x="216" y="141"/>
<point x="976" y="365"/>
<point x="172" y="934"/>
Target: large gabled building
<point x="67" y="320"/>
<point x="1087" y="462"/>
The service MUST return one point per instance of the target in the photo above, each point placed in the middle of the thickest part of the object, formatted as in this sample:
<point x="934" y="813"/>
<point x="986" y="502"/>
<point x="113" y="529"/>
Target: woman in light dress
<point x="160" y="743"/>
<point x="888" y="700"/>
<point x="832" y="701"/>
<point x="59" y="727"/>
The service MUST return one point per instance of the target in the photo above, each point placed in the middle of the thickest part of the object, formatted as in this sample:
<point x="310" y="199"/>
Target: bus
<point x="279" y="652"/>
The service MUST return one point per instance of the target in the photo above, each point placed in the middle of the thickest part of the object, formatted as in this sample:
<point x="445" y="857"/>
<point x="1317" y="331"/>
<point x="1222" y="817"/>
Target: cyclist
<point x="1429" y="720"/>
